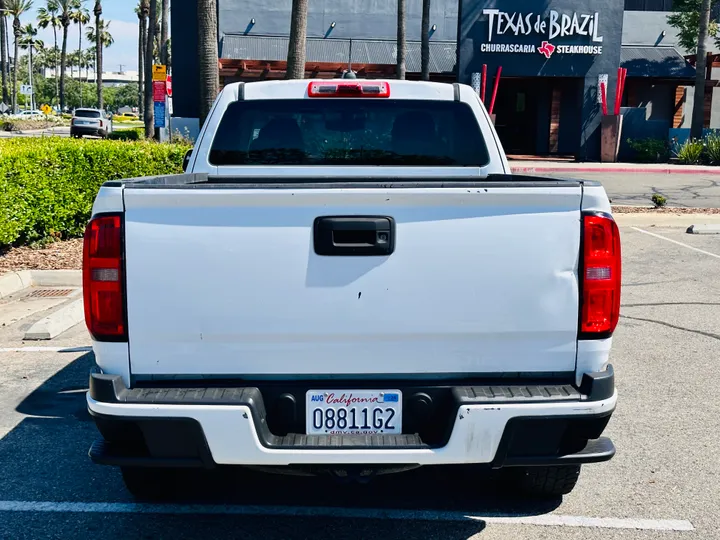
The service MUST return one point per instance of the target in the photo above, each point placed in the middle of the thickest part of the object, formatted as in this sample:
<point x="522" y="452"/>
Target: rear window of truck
<point x="361" y="132"/>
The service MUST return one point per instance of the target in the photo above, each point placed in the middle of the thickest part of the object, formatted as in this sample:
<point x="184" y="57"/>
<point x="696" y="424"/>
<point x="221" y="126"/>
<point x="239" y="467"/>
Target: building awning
<point x="340" y="51"/>
<point x="655" y="62"/>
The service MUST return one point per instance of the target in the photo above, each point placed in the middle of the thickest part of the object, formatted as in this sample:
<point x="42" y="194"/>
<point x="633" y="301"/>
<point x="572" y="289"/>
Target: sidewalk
<point x="544" y="167"/>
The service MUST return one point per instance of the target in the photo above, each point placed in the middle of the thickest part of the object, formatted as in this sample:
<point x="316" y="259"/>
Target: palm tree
<point x="105" y="39"/>
<point x="66" y="10"/>
<point x="425" y="41"/>
<point x="164" y="53"/>
<point x="29" y="42"/>
<point x="99" y="44"/>
<point x="16" y="8"/>
<point x="297" y="46"/>
<point x="149" y="56"/>
<point x="208" y="55"/>
<point x="698" y="111"/>
<point x="48" y="16"/>
<point x="81" y="17"/>
<point x="4" y="53"/>
<point x="142" y="28"/>
<point x="401" y="41"/>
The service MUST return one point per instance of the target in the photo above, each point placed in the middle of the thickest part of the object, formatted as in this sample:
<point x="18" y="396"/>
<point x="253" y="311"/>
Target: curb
<point x="661" y="170"/>
<point x="15" y="282"/>
<point x="55" y="324"/>
<point x="704" y="229"/>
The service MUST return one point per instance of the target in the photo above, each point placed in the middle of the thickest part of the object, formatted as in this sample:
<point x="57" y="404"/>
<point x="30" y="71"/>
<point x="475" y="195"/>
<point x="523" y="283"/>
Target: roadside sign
<point x="169" y="85"/>
<point x="159" y="114"/>
<point x="46" y="109"/>
<point x="159" y="72"/>
<point x="26" y="90"/>
<point x="4" y="108"/>
<point x="159" y="91"/>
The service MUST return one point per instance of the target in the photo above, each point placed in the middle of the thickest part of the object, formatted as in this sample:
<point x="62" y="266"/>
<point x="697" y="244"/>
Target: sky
<point x="123" y="27"/>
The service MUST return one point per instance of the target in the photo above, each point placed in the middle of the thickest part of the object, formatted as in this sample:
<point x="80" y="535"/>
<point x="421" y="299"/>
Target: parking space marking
<point x="676" y="242"/>
<point x="45" y="349"/>
<point x="549" y="520"/>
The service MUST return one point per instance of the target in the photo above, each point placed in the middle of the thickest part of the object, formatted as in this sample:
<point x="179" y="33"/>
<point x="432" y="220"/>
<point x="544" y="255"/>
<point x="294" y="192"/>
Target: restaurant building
<point x="552" y="55"/>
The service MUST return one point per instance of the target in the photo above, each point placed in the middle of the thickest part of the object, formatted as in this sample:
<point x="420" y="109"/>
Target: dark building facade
<point x="552" y="53"/>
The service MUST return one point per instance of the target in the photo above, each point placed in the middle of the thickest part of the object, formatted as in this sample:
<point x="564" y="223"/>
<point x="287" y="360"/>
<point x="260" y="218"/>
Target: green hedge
<point x="134" y="134"/>
<point x="48" y="185"/>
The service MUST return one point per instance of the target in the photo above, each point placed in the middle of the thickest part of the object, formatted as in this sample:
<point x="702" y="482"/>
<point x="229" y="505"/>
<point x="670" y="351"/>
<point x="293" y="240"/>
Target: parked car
<point x="349" y="280"/>
<point x="126" y="116"/>
<point x="94" y="122"/>
<point x="34" y="113"/>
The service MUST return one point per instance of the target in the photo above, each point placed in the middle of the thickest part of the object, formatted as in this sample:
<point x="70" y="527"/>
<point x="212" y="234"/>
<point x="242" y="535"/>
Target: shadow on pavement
<point x="44" y="458"/>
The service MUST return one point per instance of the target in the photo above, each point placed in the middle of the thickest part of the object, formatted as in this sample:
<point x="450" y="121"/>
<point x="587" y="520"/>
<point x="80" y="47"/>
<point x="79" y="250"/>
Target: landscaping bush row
<point x="690" y="152"/>
<point x="48" y="185"/>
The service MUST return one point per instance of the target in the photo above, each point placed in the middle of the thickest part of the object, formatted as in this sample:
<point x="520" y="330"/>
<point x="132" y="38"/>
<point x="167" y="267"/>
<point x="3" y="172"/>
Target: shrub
<point x="135" y="134"/>
<point x="712" y="146"/>
<point x="658" y="200"/>
<point x="18" y="123"/>
<point x="650" y="150"/>
<point x="47" y="185"/>
<point x="690" y="152"/>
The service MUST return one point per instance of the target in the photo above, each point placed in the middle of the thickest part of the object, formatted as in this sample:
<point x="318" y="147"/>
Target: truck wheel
<point x="544" y="482"/>
<point x="152" y="484"/>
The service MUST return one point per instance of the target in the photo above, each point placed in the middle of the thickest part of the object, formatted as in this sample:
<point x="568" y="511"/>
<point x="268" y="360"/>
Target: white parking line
<point x="45" y="349"/>
<point x="346" y="513"/>
<point x="676" y="242"/>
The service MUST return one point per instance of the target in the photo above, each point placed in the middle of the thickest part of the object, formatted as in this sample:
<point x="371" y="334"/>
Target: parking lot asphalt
<point x="682" y="190"/>
<point x="665" y="475"/>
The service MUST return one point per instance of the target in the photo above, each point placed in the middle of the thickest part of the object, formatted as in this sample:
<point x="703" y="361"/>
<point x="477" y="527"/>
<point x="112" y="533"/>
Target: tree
<point x="685" y="18"/>
<point x="66" y="8"/>
<point x="105" y="39"/>
<point x="16" y="8"/>
<point x="150" y="49"/>
<point x="99" y="45"/>
<point x="164" y="32"/>
<point x="48" y="16"/>
<point x="81" y="17"/>
<point x="30" y="42"/>
<point x="425" y="41"/>
<point x="4" y="53"/>
<point x="401" y="41"/>
<point x="142" y="29"/>
<point x="208" y="55"/>
<point x="297" y="47"/>
<point x="698" y="113"/>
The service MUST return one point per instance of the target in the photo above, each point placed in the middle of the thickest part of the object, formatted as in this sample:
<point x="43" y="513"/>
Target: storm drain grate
<point x="50" y="293"/>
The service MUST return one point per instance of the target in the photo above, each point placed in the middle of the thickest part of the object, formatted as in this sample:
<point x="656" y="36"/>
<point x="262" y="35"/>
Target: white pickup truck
<point x="349" y="280"/>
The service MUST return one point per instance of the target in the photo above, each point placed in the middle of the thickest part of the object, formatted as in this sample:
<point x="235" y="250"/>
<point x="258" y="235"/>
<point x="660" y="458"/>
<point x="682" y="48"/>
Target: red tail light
<point x="103" y="279"/>
<point x="601" y="276"/>
<point x="371" y="89"/>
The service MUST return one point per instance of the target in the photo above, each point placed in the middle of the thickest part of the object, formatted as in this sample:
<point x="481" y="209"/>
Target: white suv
<point x="93" y="122"/>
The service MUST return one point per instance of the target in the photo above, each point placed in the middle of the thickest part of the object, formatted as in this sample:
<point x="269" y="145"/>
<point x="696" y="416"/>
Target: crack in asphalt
<point x="673" y="326"/>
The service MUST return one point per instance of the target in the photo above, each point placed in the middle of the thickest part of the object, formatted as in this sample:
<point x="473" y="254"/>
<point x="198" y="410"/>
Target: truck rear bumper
<point x="203" y="427"/>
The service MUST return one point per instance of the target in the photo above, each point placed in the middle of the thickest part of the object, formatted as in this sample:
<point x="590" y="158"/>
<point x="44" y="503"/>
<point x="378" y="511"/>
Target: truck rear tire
<point x="546" y="482"/>
<point x="152" y="484"/>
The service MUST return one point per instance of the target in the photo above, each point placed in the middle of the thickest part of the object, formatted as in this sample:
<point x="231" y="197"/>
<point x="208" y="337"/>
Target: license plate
<point x="353" y="412"/>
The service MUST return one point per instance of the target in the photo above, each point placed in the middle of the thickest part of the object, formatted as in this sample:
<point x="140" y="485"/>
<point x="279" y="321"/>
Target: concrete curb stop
<point x="704" y="229"/>
<point x="55" y="324"/>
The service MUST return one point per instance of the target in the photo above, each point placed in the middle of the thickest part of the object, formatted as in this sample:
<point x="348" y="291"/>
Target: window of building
<point x="648" y="5"/>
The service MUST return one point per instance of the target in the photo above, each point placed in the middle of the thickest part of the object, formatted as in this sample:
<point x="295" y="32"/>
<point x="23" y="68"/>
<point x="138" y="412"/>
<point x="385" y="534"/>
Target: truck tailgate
<point x="224" y="281"/>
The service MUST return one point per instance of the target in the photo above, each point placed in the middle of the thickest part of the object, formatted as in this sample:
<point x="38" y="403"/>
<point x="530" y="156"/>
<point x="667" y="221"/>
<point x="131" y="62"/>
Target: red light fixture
<point x="601" y="276"/>
<point x="354" y="89"/>
<point x="103" y="285"/>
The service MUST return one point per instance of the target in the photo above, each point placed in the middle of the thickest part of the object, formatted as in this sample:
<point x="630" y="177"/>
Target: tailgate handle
<point x="354" y="235"/>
